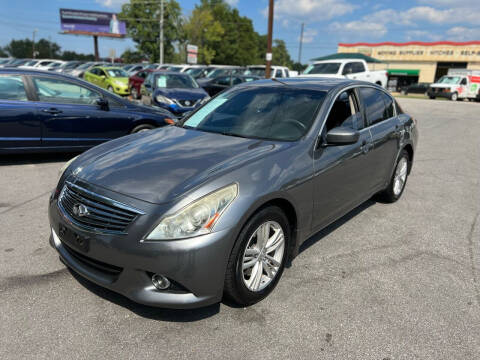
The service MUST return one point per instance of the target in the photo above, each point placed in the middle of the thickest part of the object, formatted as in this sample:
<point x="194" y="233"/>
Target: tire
<point x="432" y="97"/>
<point x="454" y="96"/>
<point x="143" y="127"/>
<point x="241" y="285"/>
<point x="110" y="89"/>
<point x="392" y="193"/>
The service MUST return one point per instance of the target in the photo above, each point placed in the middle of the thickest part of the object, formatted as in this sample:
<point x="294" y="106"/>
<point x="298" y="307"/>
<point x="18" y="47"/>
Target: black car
<point x="48" y="111"/>
<point x="221" y="83"/>
<point x="417" y="88"/>
<point x="219" y="203"/>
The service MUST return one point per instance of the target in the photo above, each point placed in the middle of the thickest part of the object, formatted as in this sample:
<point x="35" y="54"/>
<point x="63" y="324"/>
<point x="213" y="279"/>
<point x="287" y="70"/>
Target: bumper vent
<point x="95" y="212"/>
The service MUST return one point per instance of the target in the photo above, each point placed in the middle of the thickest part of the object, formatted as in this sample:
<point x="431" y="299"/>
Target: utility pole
<point x="50" y="46"/>
<point x="33" y="43"/>
<point x="269" y="39"/>
<point x="161" y="32"/>
<point x="301" y="43"/>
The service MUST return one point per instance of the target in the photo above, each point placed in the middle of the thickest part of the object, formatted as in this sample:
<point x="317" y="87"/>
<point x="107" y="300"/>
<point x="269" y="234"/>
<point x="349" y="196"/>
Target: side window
<point x="142" y="74"/>
<point x="464" y="81"/>
<point x="287" y="73"/>
<point x="224" y="80"/>
<point x="347" y="69"/>
<point x="278" y="73"/>
<point x="236" y="81"/>
<point x="100" y="72"/>
<point x="94" y="71"/>
<point x="344" y="112"/>
<point x="373" y="103"/>
<point x="11" y="88"/>
<point x="358" y="67"/>
<point x="148" y="80"/>
<point x="388" y="112"/>
<point x="63" y="92"/>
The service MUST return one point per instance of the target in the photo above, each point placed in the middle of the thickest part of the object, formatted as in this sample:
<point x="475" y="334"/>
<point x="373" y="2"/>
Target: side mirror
<point x="342" y="136"/>
<point x="102" y="103"/>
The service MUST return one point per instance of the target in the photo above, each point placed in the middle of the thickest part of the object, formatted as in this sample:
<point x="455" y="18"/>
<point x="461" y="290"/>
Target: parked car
<point x="219" y="203"/>
<point x="134" y="68"/>
<point x="114" y="79"/>
<point x="135" y="82"/>
<point x="17" y="62"/>
<point x="356" y="69"/>
<point x="68" y="66"/>
<point x="5" y="61"/>
<point x="80" y="70"/>
<point x="41" y="64"/>
<point x="214" y="86"/>
<point x="214" y="71"/>
<point x="176" y="92"/>
<point x="275" y="71"/>
<point x="416" y="88"/>
<point x="48" y="111"/>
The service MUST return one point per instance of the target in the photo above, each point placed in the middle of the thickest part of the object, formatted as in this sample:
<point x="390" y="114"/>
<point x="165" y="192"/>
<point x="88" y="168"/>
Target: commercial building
<point x="416" y="61"/>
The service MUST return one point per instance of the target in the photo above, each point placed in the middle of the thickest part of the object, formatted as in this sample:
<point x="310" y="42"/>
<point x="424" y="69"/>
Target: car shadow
<point x="336" y="224"/>
<point x="149" y="312"/>
<point x="26" y="159"/>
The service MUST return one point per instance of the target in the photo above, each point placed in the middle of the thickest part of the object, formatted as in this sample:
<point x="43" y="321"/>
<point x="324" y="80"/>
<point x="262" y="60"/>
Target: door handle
<point x="52" y="111"/>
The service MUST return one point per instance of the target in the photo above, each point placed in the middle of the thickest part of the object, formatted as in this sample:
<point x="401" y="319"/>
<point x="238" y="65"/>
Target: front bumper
<point x="121" y="90"/>
<point x="122" y="263"/>
<point x="440" y="92"/>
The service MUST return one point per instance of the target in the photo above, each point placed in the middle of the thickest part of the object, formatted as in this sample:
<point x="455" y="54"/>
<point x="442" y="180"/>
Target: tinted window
<point x="224" y="80"/>
<point x="343" y="113"/>
<point x="11" y="88"/>
<point x="373" y="104"/>
<point x="287" y="73"/>
<point x="358" y="67"/>
<point x="236" y="81"/>
<point x="388" y="111"/>
<point x="275" y="113"/>
<point x="348" y="69"/>
<point x="62" y="92"/>
<point x="278" y="73"/>
<point x="322" y="68"/>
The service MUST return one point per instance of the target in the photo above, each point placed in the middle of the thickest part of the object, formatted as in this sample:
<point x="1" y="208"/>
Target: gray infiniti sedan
<point x="215" y="205"/>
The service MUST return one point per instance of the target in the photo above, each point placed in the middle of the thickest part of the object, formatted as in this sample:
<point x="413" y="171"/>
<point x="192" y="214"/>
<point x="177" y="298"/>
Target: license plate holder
<point x="72" y="239"/>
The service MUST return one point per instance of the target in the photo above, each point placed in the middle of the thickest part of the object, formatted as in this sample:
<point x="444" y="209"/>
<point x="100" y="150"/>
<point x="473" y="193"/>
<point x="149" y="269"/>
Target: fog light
<point x="160" y="282"/>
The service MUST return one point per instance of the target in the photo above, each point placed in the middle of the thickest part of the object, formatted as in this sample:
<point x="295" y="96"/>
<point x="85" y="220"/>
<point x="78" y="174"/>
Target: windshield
<point x="449" y="80"/>
<point x="31" y="63"/>
<point x="116" y="73"/>
<point x="217" y="72"/>
<point x="194" y="71"/>
<point x="322" y="68"/>
<point x="175" y="81"/>
<point x="54" y="65"/>
<point x="174" y="68"/>
<point x="4" y="61"/>
<point x="271" y="113"/>
<point x="84" y="66"/>
<point x="255" y="71"/>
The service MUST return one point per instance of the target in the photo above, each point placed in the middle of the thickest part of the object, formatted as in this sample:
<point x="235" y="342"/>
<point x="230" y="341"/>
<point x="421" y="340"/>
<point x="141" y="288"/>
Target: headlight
<point x="195" y="219"/>
<point x="204" y="100"/>
<point x="65" y="166"/>
<point x="163" y="99"/>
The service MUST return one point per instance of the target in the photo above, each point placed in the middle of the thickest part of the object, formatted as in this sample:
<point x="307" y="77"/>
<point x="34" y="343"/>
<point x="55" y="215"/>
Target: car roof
<point x="163" y="72"/>
<point x="320" y="84"/>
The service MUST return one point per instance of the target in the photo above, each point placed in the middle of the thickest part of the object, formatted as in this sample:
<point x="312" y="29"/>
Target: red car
<point x="136" y="80"/>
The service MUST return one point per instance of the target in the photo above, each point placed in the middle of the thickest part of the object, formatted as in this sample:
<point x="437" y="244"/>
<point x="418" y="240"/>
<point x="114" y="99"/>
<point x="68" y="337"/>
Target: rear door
<point x="70" y="116"/>
<point x="385" y="129"/>
<point x="19" y="127"/>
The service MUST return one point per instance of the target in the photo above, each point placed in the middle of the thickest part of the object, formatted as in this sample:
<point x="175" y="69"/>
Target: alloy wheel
<point x="400" y="176"/>
<point x="263" y="256"/>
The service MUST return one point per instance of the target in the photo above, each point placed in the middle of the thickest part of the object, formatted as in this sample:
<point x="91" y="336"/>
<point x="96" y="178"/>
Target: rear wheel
<point x="143" y="127"/>
<point x="399" y="178"/>
<point x="258" y="258"/>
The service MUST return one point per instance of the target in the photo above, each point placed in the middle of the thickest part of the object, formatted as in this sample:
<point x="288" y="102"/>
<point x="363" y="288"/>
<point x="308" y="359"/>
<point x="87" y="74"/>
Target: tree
<point x="23" y="49"/>
<point x="72" y="55"/>
<point x="143" y="26"/>
<point x="203" y="30"/>
<point x="3" y="53"/>
<point x="131" y="56"/>
<point x="280" y="55"/>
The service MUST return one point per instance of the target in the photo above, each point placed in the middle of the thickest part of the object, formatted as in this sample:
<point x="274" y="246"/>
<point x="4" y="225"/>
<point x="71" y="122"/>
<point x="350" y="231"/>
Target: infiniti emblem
<point x="187" y="103"/>
<point x="80" y="210"/>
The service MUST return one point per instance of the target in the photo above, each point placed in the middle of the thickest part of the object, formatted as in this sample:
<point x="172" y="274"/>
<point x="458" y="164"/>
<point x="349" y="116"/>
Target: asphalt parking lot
<point x="387" y="281"/>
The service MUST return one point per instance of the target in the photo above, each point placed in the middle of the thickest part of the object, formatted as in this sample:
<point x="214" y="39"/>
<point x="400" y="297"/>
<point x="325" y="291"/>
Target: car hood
<point x="163" y="164"/>
<point x="181" y="94"/>
<point x="121" y="80"/>
<point x="443" y="86"/>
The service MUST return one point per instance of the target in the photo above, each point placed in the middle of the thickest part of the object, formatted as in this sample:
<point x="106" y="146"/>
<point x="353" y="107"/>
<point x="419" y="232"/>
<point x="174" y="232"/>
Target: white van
<point x="457" y="84"/>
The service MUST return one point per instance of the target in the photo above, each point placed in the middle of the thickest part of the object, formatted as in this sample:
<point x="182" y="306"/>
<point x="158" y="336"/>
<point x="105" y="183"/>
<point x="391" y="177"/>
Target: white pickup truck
<point x="346" y="68"/>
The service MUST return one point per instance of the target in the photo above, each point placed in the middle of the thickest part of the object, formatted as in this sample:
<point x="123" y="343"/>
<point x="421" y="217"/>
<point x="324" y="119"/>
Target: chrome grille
<point x="95" y="212"/>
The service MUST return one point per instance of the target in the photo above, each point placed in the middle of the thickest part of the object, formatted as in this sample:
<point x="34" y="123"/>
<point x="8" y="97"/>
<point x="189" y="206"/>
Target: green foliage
<point x="131" y="56"/>
<point x="298" y="67"/>
<point x="143" y="26"/>
<point x="72" y="55"/>
<point x="3" y="53"/>
<point x="43" y="48"/>
<point x="203" y="30"/>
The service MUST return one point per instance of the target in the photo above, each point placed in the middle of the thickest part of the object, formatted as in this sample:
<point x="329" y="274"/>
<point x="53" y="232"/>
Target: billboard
<point x="91" y="23"/>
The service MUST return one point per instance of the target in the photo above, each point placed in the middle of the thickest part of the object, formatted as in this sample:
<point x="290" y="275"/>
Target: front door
<point x="70" y="115"/>
<point x="342" y="174"/>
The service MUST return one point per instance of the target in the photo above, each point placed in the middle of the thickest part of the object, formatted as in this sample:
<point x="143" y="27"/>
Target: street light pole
<point x="161" y="32"/>
<point x="301" y="43"/>
<point x="33" y="43"/>
<point x="269" y="39"/>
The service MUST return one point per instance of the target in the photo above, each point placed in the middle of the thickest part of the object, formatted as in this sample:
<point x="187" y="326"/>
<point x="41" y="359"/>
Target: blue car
<point x="45" y="111"/>
<point x="176" y="92"/>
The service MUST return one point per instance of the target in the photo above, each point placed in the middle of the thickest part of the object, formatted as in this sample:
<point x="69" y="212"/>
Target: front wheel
<point x="454" y="97"/>
<point x="399" y="178"/>
<point x="258" y="257"/>
<point x="110" y="89"/>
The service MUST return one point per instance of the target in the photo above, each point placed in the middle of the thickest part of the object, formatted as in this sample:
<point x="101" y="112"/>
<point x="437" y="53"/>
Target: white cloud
<point x="232" y="2"/>
<point x="411" y="35"/>
<point x="355" y="30"/>
<point x="309" y="35"/>
<point x="461" y="33"/>
<point x="311" y="10"/>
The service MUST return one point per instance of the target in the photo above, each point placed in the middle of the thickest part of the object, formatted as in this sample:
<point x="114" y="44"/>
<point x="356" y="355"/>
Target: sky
<point x="327" y="22"/>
